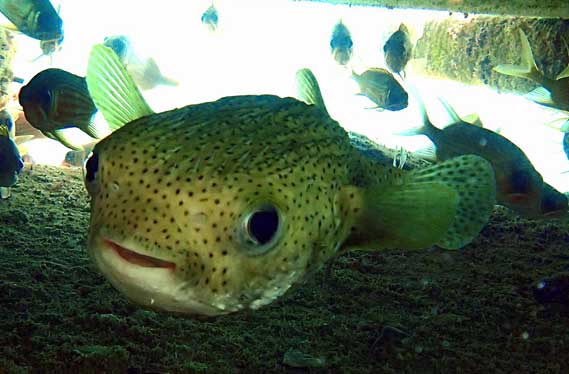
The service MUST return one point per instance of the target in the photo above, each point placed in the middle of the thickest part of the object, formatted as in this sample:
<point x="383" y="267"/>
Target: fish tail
<point x="112" y="88"/>
<point x="427" y="128"/>
<point x="528" y="69"/>
<point x="309" y="90"/>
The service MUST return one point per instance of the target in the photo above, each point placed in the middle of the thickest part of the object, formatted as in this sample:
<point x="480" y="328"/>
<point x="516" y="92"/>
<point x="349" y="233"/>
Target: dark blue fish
<point x="341" y="44"/>
<point x="35" y="18"/>
<point x="11" y="163"/>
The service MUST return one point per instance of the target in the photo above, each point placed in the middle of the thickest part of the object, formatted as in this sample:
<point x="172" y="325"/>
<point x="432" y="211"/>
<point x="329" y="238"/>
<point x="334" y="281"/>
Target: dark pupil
<point x="263" y="225"/>
<point x="91" y="167"/>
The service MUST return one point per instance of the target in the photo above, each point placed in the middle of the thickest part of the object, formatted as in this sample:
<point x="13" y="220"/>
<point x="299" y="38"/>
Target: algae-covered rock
<point x="7" y="51"/>
<point x="467" y="50"/>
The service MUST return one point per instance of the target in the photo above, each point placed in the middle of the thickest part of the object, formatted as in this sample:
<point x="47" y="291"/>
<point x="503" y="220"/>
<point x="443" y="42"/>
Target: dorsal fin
<point x="113" y="90"/>
<point x="309" y="89"/>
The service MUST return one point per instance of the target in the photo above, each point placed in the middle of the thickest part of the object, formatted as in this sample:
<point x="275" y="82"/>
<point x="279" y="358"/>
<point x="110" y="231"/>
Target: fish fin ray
<point x="308" y="89"/>
<point x="529" y="69"/>
<point x="404" y="215"/>
<point x="541" y="96"/>
<point x="454" y="117"/>
<point x="472" y="178"/>
<point x="113" y="90"/>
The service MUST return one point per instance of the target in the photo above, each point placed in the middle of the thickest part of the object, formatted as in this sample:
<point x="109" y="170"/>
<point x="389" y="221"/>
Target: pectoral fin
<point x="446" y="204"/>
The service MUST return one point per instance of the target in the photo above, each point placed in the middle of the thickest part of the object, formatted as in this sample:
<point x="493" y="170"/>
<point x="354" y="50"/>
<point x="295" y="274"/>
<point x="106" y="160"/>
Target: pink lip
<point x="138" y="259"/>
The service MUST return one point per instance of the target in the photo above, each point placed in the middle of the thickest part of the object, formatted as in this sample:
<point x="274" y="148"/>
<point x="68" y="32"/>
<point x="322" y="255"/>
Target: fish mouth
<point x="138" y="259"/>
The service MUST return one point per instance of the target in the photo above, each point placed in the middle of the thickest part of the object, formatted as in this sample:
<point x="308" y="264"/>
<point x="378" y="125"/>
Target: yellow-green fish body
<point x="223" y="206"/>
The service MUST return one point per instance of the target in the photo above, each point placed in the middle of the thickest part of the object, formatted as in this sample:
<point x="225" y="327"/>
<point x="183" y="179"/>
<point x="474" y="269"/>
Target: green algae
<point x="468" y="50"/>
<point x="392" y="312"/>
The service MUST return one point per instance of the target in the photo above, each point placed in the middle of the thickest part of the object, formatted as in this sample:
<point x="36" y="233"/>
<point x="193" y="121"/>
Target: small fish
<point x="341" y="44"/>
<point x="144" y="71"/>
<point x="11" y="163"/>
<point x="398" y="50"/>
<point x="382" y="88"/>
<point x="210" y="18"/>
<point x="34" y="18"/>
<point x="566" y="144"/>
<point x="519" y="186"/>
<point x="554" y="93"/>
<point x="223" y="206"/>
<point x="55" y="99"/>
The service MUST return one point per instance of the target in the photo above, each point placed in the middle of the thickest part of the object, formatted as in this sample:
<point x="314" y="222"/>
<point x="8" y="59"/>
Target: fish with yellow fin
<point x="519" y="185"/>
<point x="379" y="85"/>
<point x="56" y="99"/>
<point x="398" y="50"/>
<point x="223" y="206"/>
<point x="554" y="93"/>
<point x="144" y="71"/>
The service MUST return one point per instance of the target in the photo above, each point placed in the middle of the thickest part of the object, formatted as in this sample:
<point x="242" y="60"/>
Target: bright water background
<point x="258" y="48"/>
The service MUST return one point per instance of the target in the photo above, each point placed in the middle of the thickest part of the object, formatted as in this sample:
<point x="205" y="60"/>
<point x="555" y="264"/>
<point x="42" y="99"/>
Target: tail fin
<point x="309" y="89"/>
<point x="529" y="69"/>
<point x="427" y="128"/>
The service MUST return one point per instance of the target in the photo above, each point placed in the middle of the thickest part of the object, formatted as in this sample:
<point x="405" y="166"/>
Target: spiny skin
<point x="177" y="185"/>
<point x="174" y="195"/>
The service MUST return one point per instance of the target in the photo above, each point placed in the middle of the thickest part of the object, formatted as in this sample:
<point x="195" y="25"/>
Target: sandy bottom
<point x="395" y="312"/>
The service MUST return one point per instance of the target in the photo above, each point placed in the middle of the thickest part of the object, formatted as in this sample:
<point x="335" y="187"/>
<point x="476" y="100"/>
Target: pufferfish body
<point x="223" y="206"/>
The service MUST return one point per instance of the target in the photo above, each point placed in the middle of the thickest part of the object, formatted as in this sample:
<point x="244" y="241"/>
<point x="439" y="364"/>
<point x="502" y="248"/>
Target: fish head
<point x="120" y="44"/>
<point x="36" y="100"/>
<point x="397" y="98"/>
<point x="219" y="207"/>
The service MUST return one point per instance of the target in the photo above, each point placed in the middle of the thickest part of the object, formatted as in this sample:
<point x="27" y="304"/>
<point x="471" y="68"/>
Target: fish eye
<point x="262" y="228"/>
<point x="91" y="167"/>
